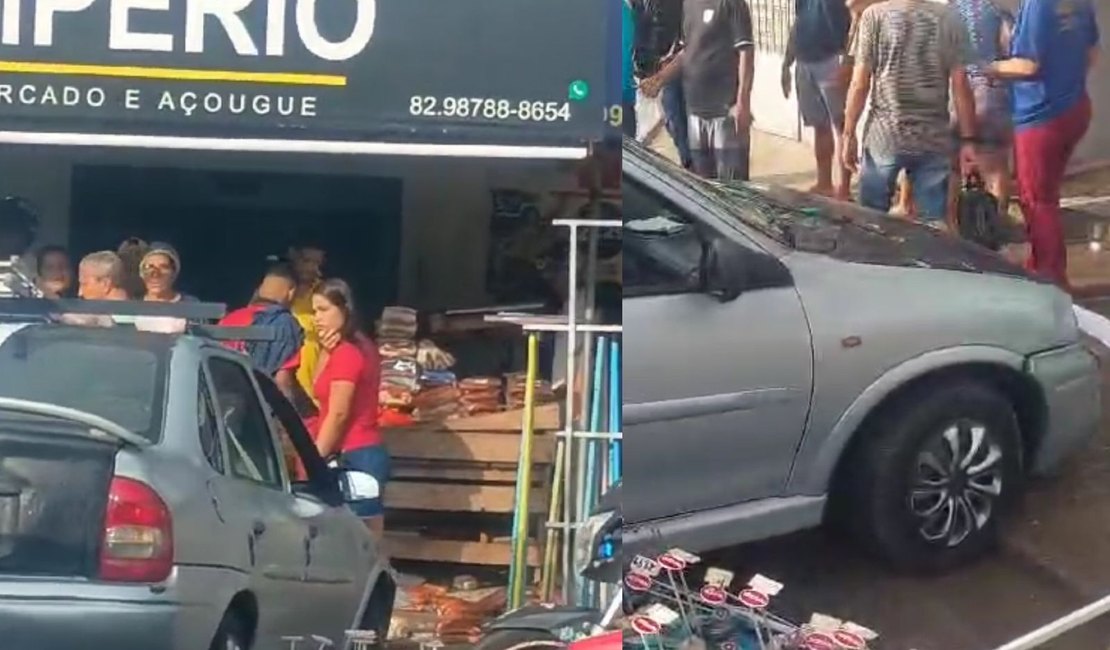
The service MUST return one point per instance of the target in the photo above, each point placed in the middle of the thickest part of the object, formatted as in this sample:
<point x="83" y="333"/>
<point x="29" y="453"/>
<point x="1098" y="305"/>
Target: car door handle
<point x="258" y="528"/>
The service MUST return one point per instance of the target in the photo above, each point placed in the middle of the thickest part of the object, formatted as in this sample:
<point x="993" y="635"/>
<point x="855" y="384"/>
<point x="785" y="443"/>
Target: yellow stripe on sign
<point x="173" y="74"/>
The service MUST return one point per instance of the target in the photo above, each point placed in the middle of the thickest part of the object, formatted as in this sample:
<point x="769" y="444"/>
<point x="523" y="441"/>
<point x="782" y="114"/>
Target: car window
<point x="250" y="444"/>
<point x="207" y="426"/>
<point x="662" y="250"/>
<point x="301" y="457"/>
<point x="118" y="375"/>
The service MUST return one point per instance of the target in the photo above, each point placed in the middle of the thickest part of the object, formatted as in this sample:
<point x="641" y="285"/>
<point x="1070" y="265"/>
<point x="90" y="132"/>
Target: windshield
<point x="748" y="204"/>
<point x="116" y="373"/>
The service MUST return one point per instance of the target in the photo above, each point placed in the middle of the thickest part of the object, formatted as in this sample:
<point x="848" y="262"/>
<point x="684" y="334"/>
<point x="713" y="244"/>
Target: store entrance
<point x="225" y="224"/>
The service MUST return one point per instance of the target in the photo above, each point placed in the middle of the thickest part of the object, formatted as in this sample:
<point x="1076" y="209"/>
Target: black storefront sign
<point x="510" y="72"/>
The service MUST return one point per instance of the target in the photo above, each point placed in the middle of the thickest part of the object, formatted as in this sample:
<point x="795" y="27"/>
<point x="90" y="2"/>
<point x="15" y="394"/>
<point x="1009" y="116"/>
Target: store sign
<point x="435" y="71"/>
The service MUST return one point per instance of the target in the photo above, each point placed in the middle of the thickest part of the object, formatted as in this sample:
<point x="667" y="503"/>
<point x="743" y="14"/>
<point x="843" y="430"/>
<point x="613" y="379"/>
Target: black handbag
<point x="977" y="216"/>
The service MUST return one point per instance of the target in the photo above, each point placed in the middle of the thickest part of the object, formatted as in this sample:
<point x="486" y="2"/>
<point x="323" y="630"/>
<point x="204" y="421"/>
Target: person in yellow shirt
<point x="308" y="260"/>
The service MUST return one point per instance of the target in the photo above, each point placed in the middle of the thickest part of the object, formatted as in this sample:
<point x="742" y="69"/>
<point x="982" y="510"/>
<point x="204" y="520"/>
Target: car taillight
<point x="138" y="534"/>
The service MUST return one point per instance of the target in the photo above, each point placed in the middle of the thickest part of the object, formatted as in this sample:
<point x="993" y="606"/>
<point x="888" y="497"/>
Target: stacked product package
<point x="438" y="398"/>
<point x="479" y="395"/>
<point x="416" y="378"/>
<point x="515" y="385"/>
<point x="400" y="374"/>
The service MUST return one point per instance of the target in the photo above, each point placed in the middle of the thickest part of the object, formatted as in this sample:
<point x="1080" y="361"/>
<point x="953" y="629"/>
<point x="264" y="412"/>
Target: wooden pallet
<point x="457" y="482"/>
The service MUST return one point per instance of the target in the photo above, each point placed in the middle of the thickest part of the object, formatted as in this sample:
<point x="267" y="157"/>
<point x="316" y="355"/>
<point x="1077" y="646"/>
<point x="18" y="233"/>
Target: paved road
<point x="1056" y="558"/>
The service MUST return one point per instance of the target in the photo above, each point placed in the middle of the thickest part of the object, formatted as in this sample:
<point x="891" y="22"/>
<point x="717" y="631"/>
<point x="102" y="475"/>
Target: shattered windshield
<point x="747" y="203"/>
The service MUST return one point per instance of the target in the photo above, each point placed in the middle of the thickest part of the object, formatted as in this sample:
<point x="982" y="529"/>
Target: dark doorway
<point x="225" y="224"/>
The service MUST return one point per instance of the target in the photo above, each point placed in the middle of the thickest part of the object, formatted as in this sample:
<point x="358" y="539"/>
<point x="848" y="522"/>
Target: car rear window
<point x="117" y="373"/>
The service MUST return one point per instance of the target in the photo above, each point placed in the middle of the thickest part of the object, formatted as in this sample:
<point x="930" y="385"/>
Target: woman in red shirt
<point x="346" y="387"/>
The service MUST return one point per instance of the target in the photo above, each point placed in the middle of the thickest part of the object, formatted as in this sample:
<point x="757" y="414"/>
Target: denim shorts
<point x="373" y="460"/>
<point x="928" y="173"/>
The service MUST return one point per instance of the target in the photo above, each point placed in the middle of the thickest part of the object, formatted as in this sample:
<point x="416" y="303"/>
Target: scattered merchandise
<point x="670" y="613"/>
<point x="515" y="385"/>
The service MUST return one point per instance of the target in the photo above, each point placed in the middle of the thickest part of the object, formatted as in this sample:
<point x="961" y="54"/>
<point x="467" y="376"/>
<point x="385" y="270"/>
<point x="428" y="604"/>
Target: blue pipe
<point x="593" y="474"/>
<point x="615" y="401"/>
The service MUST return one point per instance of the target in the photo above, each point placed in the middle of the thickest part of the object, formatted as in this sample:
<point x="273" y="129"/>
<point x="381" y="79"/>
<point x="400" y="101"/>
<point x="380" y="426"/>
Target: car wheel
<point x="520" y="640"/>
<point x="232" y="634"/>
<point x="934" y="475"/>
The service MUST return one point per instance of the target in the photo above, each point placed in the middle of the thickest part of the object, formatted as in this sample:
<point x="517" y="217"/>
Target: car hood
<point x="851" y="233"/>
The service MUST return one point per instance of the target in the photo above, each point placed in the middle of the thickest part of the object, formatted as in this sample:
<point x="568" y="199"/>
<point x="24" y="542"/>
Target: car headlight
<point x="586" y="541"/>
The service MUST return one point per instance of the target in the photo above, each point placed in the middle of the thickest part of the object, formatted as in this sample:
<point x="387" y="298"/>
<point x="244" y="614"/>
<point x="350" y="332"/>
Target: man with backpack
<point x="281" y="356"/>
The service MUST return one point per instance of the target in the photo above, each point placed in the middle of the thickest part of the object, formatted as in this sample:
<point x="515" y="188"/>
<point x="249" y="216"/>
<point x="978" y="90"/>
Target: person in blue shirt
<point x="1053" y="49"/>
<point x="628" y="40"/>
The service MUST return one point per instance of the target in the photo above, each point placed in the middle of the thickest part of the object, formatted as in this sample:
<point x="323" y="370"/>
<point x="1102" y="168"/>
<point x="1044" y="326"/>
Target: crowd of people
<point x="320" y="356"/>
<point x="952" y="89"/>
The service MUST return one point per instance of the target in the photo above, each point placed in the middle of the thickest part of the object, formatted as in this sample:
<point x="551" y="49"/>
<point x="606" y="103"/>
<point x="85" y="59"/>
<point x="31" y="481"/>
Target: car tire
<point x="934" y="474"/>
<point x="232" y="634"/>
<point x="520" y="640"/>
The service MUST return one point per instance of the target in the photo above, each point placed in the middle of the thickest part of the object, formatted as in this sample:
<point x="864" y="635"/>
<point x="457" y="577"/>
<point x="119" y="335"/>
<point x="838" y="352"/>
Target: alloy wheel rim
<point x="957" y="481"/>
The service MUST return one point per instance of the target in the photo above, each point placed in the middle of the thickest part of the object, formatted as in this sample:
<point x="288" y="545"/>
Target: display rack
<point x="575" y="436"/>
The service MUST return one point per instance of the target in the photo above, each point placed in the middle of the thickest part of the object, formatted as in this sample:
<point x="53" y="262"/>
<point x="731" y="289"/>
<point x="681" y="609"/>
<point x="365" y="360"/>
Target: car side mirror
<point x="725" y="269"/>
<point x="357" y="486"/>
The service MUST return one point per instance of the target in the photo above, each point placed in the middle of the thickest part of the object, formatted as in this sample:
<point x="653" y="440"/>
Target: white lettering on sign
<point x="120" y="36"/>
<point x="360" y="36"/>
<point x="44" y="17"/>
<point x="10" y="33"/>
<point x="227" y="13"/>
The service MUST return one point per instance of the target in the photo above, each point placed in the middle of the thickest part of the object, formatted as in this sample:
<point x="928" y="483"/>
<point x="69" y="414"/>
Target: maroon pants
<point x="1041" y="155"/>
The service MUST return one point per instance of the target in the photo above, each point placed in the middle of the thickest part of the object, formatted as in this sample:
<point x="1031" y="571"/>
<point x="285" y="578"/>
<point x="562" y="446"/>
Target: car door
<point x="341" y="552"/>
<point x="716" y="392"/>
<point x="256" y="499"/>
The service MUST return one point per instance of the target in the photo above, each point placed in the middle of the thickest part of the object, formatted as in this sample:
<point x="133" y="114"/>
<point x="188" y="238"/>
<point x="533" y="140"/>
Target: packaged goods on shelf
<point x="397" y="323"/>
<point x="400" y="373"/>
<point x="480" y="395"/>
<point x="431" y="357"/>
<point x="397" y="349"/>
<point x="433" y="378"/>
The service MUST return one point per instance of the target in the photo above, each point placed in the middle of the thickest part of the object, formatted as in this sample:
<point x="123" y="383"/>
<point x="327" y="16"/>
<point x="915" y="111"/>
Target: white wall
<point x="446" y="204"/>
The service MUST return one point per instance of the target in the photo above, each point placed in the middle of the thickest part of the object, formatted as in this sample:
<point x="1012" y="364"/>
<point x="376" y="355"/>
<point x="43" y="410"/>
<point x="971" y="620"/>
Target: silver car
<point x="792" y="361"/>
<point x="145" y="502"/>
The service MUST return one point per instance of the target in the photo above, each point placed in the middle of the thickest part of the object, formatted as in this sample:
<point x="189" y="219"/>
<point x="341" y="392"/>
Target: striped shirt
<point x="912" y="47"/>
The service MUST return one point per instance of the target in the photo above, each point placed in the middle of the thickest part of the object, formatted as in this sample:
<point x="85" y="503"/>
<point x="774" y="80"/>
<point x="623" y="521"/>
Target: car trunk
<point x="54" y="482"/>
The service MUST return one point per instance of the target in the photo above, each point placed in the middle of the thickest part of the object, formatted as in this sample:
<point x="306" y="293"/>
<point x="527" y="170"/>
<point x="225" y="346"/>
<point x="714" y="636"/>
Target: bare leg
<point x="906" y="206"/>
<point x="824" y="148"/>
<point x="376" y="526"/>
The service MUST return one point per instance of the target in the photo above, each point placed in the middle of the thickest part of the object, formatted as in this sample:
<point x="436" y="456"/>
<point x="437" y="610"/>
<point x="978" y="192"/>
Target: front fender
<point x="819" y="455"/>
<point x="547" y="619"/>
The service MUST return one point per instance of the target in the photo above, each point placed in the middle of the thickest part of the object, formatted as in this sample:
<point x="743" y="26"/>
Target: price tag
<point x="712" y="595"/>
<point x="718" y="577"/>
<point x="644" y="626"/>
<point x="671" y="563"/>
<point x="824" y="623"/>
<point x="861" y="631"/>
<point x="819" y="641"/>
<point x="645" y="565"/>
<point x="753" y="599"/>
<point x="685" y="556"/>
<point x="763" y="584"/>
<point x="638" y="581"/>
<point x="661" y="614"/>
<point x="849" y="640"/>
